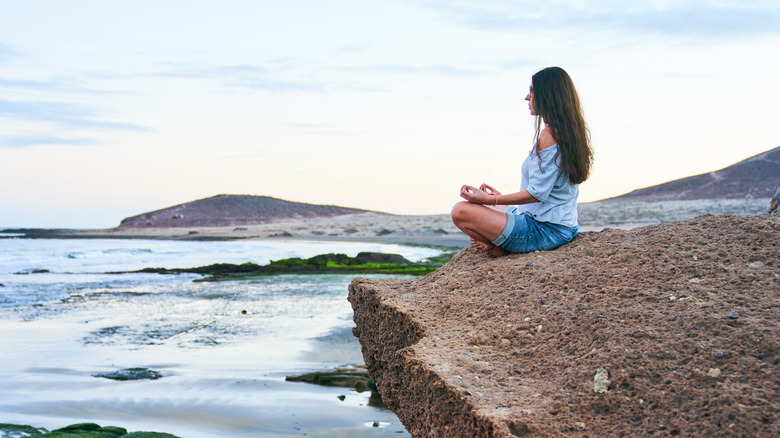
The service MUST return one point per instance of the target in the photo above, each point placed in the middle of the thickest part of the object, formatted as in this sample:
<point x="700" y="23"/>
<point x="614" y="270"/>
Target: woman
<point x="543" y="214"/>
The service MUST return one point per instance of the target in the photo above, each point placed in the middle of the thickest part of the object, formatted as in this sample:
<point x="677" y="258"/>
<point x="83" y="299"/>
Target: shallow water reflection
<point x="223" y="350"/>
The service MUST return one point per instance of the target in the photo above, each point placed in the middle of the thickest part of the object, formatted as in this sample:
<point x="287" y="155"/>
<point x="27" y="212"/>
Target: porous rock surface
<point x="682" y="319"/>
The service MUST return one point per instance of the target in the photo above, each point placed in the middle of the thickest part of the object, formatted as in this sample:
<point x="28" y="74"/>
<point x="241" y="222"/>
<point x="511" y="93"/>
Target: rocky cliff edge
<point x="665" y="330"/>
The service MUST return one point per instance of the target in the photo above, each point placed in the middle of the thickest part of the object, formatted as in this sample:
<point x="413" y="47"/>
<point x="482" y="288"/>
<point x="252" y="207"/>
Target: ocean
<point x="223" y="348"/>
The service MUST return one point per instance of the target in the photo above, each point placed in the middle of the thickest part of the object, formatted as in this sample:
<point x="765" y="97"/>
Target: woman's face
<point x="530" y="99"/>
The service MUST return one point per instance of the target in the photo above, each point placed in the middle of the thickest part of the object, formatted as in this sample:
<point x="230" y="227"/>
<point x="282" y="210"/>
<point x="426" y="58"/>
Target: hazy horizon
<point x="112" y="110"/>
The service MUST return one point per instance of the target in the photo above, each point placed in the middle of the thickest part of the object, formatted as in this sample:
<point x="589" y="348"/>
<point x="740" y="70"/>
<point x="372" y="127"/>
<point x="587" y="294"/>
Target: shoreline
<point x="433" y="230"/>
<point x="449" y="241"/>
<point x="436" y="230"/>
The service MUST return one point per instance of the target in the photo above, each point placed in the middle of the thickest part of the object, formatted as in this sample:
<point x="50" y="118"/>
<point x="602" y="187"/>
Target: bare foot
<point x="479" y="245"/>
<point x="489" y="249"/>
<point x="495" y="252"/>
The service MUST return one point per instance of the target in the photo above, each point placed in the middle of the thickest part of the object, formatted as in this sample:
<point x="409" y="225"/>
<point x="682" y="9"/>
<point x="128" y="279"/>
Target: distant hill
<point x="230" y="210"/>
<point x="754" y="178"/>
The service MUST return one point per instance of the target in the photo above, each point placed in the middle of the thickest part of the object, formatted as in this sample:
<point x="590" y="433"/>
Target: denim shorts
<point x="523" y="233"/>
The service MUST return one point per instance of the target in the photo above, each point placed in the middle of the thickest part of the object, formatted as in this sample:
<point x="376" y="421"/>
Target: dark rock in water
<point x="357" y="378"/>
<point x="2" y="285"/>
<point x="345" y="377"/>
<point x="342" y="397"/>
<point x="323" y="259"/>
<point x="378" y="257"/>
<point x="148" y="435"/>
<point x="131" y="374"/>
<point x="34" y="271"/>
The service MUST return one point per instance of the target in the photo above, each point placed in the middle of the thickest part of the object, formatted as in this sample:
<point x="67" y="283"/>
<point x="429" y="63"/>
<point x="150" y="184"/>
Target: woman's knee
<point x="461" y="211"/>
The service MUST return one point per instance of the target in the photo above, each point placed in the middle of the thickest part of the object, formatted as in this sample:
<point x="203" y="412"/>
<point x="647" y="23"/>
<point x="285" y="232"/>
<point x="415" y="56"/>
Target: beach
<point x="223" y="349"/>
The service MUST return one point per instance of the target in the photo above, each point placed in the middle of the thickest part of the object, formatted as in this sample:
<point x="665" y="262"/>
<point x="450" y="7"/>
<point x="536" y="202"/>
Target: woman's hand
<point x="477" y="195"/>
<point x="489" y="190"/>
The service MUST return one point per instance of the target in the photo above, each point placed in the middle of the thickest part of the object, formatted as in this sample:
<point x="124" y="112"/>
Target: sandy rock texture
<point x="665" y="330"/>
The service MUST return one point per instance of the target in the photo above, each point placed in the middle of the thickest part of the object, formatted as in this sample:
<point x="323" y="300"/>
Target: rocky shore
<point x="81" y="430"/>
<point x="363" y="263"/>
<point x="664" y="330"/>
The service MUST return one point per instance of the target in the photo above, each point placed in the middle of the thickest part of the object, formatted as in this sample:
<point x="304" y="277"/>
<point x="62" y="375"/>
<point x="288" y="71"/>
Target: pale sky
<point x="110" y="109"/>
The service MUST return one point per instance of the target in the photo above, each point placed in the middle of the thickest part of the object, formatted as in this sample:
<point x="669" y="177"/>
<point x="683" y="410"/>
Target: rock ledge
<point x="510" y="347"/>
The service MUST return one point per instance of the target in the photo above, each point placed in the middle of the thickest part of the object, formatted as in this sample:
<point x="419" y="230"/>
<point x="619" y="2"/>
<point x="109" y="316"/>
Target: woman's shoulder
<point x="546" y="139"/>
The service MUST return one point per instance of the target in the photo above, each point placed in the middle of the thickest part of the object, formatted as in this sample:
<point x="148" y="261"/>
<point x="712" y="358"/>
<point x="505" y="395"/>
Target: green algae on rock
<point x="363" y="263"/>
<point x="86" y="430"/>
<point x="19" y="430"/>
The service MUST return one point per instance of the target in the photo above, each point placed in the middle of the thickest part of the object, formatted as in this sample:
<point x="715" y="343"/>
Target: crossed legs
<point x="482" y="224"/>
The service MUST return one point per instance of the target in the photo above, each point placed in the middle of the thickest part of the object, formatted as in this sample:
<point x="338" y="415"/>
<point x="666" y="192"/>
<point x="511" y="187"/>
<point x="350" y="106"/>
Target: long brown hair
<point x="556" y="102"/>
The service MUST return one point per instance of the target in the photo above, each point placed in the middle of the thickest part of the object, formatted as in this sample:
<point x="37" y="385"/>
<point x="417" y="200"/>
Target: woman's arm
<point x="488" y="196"/>
<point x="516" y="198"/>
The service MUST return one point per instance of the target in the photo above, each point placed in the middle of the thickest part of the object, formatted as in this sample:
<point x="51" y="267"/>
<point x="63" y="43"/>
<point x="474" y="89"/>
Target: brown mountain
<point x="230" y="210"/>
<point x="753" y="178"/>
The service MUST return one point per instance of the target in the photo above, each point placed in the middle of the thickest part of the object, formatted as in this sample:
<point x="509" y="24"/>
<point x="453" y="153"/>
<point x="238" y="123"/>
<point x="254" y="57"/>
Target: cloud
<point x="6" y="53"/>
<point x="273" y="78"/>
<point x="283" y="75"/>
<point x="430" y="70"/>
<point x="63" y="114"/>
<point x="311" y="128"/>
<point x="304" y="125"/>
<point x="278" y="85"/>
<point x="245" y="156"/>
<point x="519" y="63"/>
<point x="21" y="141"/>
<point x="56" y="85"/>
<point x="684" y="18"/>
<point x="191" y="71"/>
